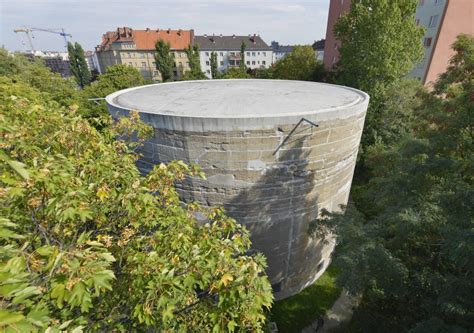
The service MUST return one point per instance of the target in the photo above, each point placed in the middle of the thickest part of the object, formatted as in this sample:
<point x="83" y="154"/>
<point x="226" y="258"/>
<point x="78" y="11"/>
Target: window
<point x="258" y="53"/>
<point x="433" y="21"/>
<point x="222" y="63"/>
<point x="438" y="2"/>
<point x="207" y="63"/>
<point x="174" y="64"/>
<point x="143" y="64"/>
<point x="258" y="62"/>
<point x="417" y="21"/>
<point x="154" y="64"/>
<point x="253" y="62"/>
<point x="427" y="42"/>
<point x="253" y="54"/>
<point x="264" y="53"/>
<point x="208" y="72"/>
<point x="263" y="62"/>
<point x="207" y="54"/>
<point x="248" y="62"/>
<point x="232" y="53"/>
<point x="175" y="73"/>
<point x="248" y="53"/>
<point x="221" y="54"/>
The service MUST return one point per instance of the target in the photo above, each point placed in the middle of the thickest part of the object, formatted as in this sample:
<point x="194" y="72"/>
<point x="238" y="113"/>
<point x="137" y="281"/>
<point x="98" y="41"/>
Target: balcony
<point x="235" y="57"/>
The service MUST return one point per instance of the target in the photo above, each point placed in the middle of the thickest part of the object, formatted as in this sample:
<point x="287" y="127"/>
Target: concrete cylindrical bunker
<point x="268" y="177"/>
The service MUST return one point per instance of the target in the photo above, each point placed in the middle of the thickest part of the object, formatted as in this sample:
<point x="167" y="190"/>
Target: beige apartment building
<point x="136" y="48"/>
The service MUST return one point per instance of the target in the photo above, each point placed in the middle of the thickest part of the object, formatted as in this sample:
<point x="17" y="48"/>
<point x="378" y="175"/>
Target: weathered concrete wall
<point x="275" y="196"/>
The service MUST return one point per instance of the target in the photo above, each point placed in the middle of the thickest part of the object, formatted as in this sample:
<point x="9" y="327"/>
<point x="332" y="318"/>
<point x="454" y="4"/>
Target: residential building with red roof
<point x="137" y="48"/>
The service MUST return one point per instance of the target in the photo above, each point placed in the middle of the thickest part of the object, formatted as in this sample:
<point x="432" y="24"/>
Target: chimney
<point x="233" y="36"/>
<point x="169" y="30"/>
<point x="179" y="32"/>
<point x="147" y="29"/>
<point x="205" y="35"/>
<point x="157" y="29"/>
<point x="220" y="35"/>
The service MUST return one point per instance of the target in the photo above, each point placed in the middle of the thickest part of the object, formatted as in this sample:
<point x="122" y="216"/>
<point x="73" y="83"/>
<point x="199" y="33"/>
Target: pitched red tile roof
<point x="146" y="39"/>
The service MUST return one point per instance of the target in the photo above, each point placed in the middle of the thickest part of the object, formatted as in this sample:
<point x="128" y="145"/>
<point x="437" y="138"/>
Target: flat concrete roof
<point x="248" y="102"/>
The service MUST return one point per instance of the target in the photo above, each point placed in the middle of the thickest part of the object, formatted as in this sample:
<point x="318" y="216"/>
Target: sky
<point x="286" y="21"/>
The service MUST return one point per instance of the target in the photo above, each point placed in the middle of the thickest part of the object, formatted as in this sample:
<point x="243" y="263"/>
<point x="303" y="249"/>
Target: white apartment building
<point x="257" y="53"/>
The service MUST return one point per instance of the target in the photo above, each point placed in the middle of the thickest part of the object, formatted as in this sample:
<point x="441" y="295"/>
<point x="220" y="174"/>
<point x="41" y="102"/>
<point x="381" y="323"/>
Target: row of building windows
<point x="238" y="53"/>
<point x="150" y="54"/>
<point x="237" y="62"/>
<point x="144" y="64"/>
<point x="435" y="2"/>
<point x="433" y="21"/>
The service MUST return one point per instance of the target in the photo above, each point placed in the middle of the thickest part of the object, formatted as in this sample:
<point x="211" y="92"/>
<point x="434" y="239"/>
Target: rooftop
<point x="146" y="39"/>
<point x="237" y="98"/>
<point x="233" y="43"/>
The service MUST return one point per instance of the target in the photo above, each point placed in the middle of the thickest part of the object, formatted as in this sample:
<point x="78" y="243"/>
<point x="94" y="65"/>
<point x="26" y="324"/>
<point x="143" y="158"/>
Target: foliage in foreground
<point x="295" y="313"/>
<point x="408" y="243"/>
<point x="86" y="243"/>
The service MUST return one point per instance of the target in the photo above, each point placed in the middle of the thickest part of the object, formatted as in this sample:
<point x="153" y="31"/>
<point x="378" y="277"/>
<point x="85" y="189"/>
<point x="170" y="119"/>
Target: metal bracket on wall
<point x="292" y="131"/>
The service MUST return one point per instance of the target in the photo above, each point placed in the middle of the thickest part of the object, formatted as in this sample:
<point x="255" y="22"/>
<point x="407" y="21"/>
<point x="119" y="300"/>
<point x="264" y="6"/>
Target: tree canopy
<point x="116" y="77"/>
<point x="407" y="242"/>
<point x="78" y="64"/>
<point x="380" y="43"/>
<point x="88" y="244"/>
<point x="195" y="72"/>
<point x="164" y="60"/>
<point x="299" y="64"/>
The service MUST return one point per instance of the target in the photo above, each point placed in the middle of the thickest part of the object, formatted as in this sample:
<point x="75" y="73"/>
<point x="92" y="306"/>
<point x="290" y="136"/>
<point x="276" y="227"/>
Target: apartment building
<point x="257" y="53"/>
<point x="443" y="20"/>
<point x="331" y="45"/>
<point x="280" y="51"/>
<point x="92" y="61"/>
<point x="136" y="48"/>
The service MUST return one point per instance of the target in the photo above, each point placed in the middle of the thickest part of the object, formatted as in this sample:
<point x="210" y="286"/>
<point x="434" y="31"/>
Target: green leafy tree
<point x="236" y="73"/>
<point x="195" y="72"/>
<point x="78" y="64"/>
<point x="116" y="77"/>
<point x="164" y="60"/>
<point x="33" y="71"/>
<point x="408" y="245"/>
<point x="88" y="244"/>
<point x="299" y="64"/>
<point x="243" y="46"/>
<point x="214" y="71"/>
<point x="380" y="43"/>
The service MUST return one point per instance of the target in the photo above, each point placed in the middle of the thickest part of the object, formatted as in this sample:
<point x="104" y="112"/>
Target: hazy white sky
<point x="286" y="21"/>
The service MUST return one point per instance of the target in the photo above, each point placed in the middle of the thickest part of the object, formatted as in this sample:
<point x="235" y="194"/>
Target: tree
<point x="407" y="245"/>
<point x="116" y="77"/>
<point x="78" y="64"/>
<point x="380" y="43"/>
<point x="242" y="55"/>
<point x="299" y="64"/>
<point x="214" y="71"/>
<point x="195" y="72"/>
<point x="33" y="71"/>
<point x="164" y="61"/>
<point x="86" y="243"/>
<point x="236" y="73"/>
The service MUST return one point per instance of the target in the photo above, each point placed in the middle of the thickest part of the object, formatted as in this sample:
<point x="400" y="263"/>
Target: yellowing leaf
<point x="226" y="279"/>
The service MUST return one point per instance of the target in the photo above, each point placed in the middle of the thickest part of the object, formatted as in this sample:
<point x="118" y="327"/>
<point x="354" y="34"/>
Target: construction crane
<point x="29" y="34"/>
